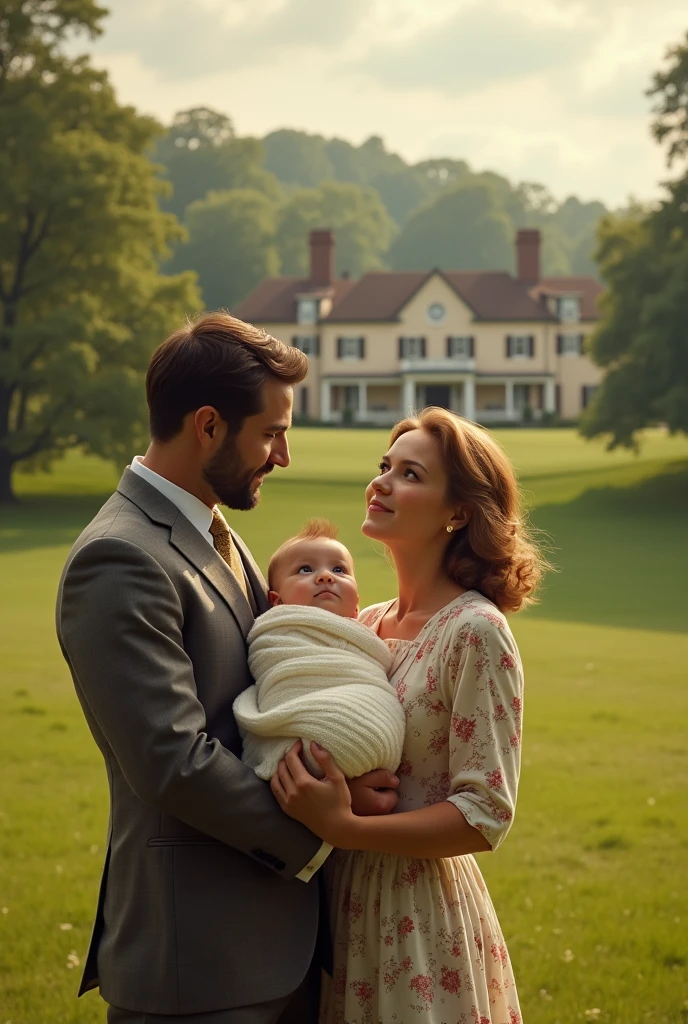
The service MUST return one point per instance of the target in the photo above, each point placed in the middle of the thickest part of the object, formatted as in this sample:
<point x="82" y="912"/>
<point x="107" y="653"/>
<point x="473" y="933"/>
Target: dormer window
<point x="307" y="311"/>
<point x="569" y="308"/>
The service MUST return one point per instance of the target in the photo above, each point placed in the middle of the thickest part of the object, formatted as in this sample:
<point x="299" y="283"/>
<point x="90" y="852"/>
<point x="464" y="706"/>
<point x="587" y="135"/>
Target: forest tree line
<point x="248" y="204"/>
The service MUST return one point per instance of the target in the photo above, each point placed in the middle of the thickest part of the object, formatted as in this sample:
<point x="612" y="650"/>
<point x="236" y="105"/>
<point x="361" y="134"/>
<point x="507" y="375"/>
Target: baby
<point x="320" y="674"/>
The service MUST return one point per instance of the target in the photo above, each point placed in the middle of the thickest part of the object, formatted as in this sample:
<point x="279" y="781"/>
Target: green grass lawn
<point x="590" y="886"/>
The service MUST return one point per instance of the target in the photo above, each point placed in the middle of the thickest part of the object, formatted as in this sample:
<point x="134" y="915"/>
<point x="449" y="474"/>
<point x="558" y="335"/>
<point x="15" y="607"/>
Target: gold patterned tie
<point x="226" y="549"/>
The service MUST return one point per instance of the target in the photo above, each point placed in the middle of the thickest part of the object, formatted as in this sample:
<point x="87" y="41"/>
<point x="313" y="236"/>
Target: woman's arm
<point x="324" y="806"/>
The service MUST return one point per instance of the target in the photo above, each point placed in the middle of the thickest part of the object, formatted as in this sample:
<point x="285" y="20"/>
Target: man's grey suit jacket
<point x="199" y="909"/>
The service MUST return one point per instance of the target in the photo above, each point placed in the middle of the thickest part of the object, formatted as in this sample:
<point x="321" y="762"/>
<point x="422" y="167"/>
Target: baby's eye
<point x="305" y="568"/>
<point x="339" y="568"/>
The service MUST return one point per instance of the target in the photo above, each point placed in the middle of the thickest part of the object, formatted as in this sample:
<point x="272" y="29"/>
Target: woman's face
<point x="406" y="502"/>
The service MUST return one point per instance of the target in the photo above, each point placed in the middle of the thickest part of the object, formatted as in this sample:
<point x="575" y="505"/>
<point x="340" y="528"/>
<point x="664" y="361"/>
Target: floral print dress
<point x="419" y="940"/>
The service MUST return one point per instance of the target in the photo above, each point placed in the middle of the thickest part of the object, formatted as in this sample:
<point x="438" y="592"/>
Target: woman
<point x="415" y="933"/>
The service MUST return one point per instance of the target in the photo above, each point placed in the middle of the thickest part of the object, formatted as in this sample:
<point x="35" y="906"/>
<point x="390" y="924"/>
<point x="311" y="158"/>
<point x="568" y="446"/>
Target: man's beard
<point x="230" y="479"/>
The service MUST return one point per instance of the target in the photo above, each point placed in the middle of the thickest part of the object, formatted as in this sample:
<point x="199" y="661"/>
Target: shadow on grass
<point x="622" y="555"/>
<point x="621" y="551"/>
<point x="46" y="521"/>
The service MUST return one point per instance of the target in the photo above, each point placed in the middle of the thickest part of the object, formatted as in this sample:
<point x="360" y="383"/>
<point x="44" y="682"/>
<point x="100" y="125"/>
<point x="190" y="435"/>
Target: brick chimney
<point x="528" y="255"/>
<point x="322" y="257"/>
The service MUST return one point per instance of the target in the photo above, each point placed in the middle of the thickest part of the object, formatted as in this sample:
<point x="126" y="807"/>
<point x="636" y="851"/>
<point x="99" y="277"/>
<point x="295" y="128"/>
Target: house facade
<point x="488" y="345"/>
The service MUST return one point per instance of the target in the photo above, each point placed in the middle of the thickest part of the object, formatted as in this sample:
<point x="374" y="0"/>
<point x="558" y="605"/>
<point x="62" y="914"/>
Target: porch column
<point x="408" y="402"/>
<point x="469" y="397"/>
<point x="550" y="401"/>
<point x="509" y="405"/>
<point x="325" y="403"/>
<point x="362" y="401"/>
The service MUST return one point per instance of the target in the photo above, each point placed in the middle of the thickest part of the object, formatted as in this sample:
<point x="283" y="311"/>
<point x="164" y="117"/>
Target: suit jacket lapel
<point x="255" y="577"/>
<point x="188" y="541"/>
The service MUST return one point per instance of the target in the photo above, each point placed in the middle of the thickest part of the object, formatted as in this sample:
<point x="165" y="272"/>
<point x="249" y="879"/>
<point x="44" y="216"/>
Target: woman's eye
<point x="409" y="470"/>
<point x="383" y="467"/>
<point x="305" y="568"/>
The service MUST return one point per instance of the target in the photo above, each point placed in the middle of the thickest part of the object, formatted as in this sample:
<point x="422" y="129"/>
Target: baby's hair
<point x="313" y="530"/>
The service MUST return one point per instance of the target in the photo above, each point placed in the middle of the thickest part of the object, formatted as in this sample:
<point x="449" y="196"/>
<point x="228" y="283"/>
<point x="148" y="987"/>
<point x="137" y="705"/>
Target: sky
<point x="550" y="91"/>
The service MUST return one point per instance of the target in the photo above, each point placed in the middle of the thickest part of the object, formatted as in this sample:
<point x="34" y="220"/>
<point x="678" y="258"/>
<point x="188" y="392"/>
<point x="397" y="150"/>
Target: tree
<point x="201" y="153"/>
<point x="357" y="215"/>
<point x="81" y="300"/>
<point x="231" y="244"/>
<point x="296" y="158"/>
<point x="465" y="228"/>
<point x="642" y="340"/>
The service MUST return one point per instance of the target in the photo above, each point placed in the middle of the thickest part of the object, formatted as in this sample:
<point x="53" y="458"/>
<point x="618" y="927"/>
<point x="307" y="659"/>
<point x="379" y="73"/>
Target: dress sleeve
<point x="485" y="678"/>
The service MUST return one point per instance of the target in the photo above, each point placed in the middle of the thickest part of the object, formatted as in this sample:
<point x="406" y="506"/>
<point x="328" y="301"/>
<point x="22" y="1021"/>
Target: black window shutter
<point x="449" y="347"/>
<point x="508" y="346"/>
<point x="531" y="346"/>
<point x="584" y="396"/>
<point x="401" y="348"/>
<point x="581" y="343"/>
<point x="471" y="348"/>
<point x="422" y="348"/>
<point x="340" y="347"/>
<point x="294" y="341"/>
<point x="361" y="348"/>
<point x="560" y="344"/>
<point x="316" y="351"/>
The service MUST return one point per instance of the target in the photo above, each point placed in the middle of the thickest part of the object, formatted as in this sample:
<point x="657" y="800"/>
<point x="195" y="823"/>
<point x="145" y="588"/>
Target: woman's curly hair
<point x="494" y="552"/>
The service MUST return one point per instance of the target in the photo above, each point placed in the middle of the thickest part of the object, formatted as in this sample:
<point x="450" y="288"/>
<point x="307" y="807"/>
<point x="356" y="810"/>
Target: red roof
<point x="587" y="288"/>
<point x="274" y="299"/>
<point x="381" y="296"/>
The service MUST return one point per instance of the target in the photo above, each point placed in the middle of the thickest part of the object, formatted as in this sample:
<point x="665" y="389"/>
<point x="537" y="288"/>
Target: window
<point x="307" y="311"/>
<point x="303" y="401"/>
<point x="460" y="347"/>
<point x="520" y="346"/>
<point x="309" y="344"/>
<point x="436" y="312"/>
<point x="350" y="348"/>
<point x="411" y="348"/>
<point x="587" y="392"/>
<point x="569" y="309"/>
<point x="569" y="344"/>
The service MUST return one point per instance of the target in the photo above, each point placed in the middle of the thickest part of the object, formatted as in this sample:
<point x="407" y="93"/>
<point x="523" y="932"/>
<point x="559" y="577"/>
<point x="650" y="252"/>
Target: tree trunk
<point x="7" y="495"/>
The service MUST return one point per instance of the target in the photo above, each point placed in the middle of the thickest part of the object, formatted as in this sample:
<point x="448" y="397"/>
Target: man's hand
<point x="322" y="805"/>
<point x="374" y="792"/>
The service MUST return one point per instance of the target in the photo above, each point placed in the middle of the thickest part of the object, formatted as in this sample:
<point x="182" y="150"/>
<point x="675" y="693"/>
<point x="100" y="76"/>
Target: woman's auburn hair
<point x="494" y="552"/>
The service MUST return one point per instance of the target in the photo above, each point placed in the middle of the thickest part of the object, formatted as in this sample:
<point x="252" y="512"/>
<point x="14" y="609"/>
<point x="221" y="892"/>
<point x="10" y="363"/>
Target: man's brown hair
<point x="219" y="361"/>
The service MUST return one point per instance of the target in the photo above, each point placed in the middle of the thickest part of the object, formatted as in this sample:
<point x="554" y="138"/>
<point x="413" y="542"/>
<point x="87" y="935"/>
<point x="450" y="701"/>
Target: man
<point x="206" y="914"/>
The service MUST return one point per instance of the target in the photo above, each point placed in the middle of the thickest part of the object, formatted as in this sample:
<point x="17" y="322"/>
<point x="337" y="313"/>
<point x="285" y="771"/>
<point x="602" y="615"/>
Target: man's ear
<point x="209" y="426"/>
<point x="274" y="598"/>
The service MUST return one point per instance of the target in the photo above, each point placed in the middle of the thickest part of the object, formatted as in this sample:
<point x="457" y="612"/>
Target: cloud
<point x="180" y="39"/>
<point x="476" y="47"/>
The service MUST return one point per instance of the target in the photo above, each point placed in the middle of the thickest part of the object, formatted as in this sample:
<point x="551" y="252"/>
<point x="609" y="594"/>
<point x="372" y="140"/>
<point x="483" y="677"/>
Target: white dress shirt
<point x="200" y="516"/>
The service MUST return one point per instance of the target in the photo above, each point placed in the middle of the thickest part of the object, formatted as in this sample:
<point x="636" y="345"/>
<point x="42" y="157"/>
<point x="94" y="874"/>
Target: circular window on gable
<point x="436" y="313"/>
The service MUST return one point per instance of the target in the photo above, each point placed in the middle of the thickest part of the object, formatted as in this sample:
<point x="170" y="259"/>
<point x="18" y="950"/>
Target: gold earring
<point x="450" y="529"/>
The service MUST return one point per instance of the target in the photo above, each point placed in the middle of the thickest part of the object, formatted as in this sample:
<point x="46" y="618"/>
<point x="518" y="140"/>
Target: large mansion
<point x="488" y="345"/>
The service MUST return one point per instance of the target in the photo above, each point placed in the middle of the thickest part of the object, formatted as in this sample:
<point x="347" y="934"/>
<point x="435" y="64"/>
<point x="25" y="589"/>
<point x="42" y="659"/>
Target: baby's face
<point x="317" y="573"/>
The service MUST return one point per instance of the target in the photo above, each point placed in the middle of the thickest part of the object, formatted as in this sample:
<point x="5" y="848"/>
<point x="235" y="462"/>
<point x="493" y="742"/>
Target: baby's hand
<point x="373" y="793"/>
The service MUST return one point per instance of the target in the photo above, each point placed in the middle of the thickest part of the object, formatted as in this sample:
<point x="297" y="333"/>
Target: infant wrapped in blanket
<point x="320" y="675"/>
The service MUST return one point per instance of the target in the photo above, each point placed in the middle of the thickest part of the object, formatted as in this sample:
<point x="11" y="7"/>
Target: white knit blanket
<point x="319" y="677"/>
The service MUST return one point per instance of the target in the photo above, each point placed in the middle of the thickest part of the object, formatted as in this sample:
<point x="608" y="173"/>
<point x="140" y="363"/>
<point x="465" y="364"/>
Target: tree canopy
<point x="82" y="303"/>
<point x="231" y="244"/>
<point x="642" y="341"/>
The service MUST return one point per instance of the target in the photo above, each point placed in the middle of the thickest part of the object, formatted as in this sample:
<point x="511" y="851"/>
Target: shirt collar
<point x="196" y="511"/>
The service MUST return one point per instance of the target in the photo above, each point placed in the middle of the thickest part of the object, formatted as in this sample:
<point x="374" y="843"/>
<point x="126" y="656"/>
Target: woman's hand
<point x="322" y="805"/>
